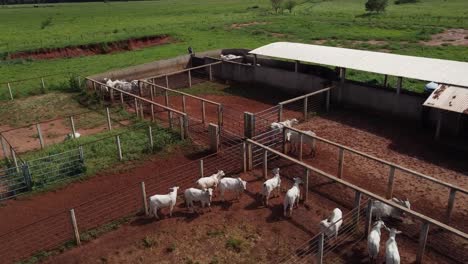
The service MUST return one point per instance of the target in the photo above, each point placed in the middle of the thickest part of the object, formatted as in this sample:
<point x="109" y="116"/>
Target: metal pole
<point x="265" y="164"/>
<point x="211" y="73"/>
<point x="357" y="207"/>
<point x="340" y="163"/>
<point x="189" y="79"/>
<point x="451" y="202"/>
<point x="320" y="249"/>
<point x="201" y="168"/>
<point x="422" y="242"/>
<point x="368" y="217"/>
<point x="203" y="112"/>
<point x="244" y="157"/>
<point x="9" y="90"/>
<point x="119" y="148"/>
<point x="391" y="179"/>
<point x="167" y="81"/>
<point x="109" y="124"/>
<point x="75" y="227"/>
<point x="150" y="137"/>
<point x="72" y="124"/>
<point x="184" y="107"/>
<point x="306" y="100"/>
<point x="145" y="202"/>
<point x="301" y="140"/>
<point x="41" y="140"/>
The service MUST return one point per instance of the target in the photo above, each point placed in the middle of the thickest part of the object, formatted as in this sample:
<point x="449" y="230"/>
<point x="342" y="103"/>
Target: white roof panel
<point x="449" y="98"/>
<point x="427" y="69"/>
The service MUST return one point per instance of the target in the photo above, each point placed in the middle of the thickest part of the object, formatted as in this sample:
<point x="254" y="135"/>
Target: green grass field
<point x="207" y="24"/>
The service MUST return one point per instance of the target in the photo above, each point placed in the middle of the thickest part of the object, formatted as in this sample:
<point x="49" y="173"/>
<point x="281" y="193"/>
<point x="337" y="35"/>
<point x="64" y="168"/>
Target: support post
<point x="342" y="83"/>
<point x="167" y="81"/>
<point x="142" y="110"/>
<point x="15" y="160"/>
<point x="368" y="217"/>
<point x="249" y="157"/>
<point x="189" y="79"/>
<point x="184" y="107"/>
<point x="255" y="60"/>
<point x="357" y="207"/>
<point x="27" y="176"/>
<point x="249" y="125"/>
<point x="150" y="138"/>
<point x="265" y="164"/>
<point x="296" y="66"/>
<point x="136" y="107"/>
<point x="439" y="125"/>
<point x="280" y="112"/>
<point x="285" y="150"/>
<point x="422" y="242"/>
<point x="152" y="112"/>
<point x="320" y="249"/>
<point x="213" y="133"/>
<point x="203" y="111"/>
<point x="75" y="227"/>
<point x="327" y="103"/>
<point x="119" y="147"/>
<point x="306" y="187"/>
<point x="72" y="124"/>
<point x="244" y="157"/>
<point x="111" y="95"/>
<point x="152" y="92"/>
<point x="210" y="73"/>
<point x="39" y="133"/>
<point x="143" y="196"/>
<point x="220" y="117"/>
<point x="391" y="180"/>
<point x="109" y="124"/>
<point x="9" y="90"/>
<point x="306" y="101"/>
<point x="121" y="98"/>
<point x="399" y="85"/>
<point x="201" y="168"/>
<point x="385" y="82"/>
<point x="81" y="154"/>
<point x="140" y="88"/>
<point x="451" y="202"/>
<point x="186" y="125"/>
<point x="340" y="163"/>
<point x="301" y="141"/>
<point x="181" y="127"/>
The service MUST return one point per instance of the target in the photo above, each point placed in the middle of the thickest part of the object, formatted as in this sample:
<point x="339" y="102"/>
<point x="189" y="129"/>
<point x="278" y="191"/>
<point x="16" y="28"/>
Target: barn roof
<point x="427" y="69"/>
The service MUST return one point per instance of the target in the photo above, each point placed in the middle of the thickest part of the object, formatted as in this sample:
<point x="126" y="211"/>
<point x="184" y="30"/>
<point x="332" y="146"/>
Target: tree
<point x="276" y="5"/>
<point x="376" y="5"/>
<point x="289" y="5"/>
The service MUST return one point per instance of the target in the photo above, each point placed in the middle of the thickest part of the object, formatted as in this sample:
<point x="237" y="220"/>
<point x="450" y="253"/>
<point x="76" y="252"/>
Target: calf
<point x="332" y="224"/>
<point x="392" y="256"/>
<point x="210" y="181"/>
<point x="270" y="185"/>
<point x="195" y="195"/>
<point x="234" y="184"/>
<point x="292" y="196"/>
<point x="373" y="240"/>
<point x="159" y="201"/>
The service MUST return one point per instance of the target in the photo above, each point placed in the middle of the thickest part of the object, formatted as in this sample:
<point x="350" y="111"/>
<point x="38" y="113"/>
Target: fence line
<point x="182" y="71"/>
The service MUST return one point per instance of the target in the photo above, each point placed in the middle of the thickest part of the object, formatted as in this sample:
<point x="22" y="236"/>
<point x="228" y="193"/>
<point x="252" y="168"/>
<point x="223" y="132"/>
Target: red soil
<point x="92" y="49"/>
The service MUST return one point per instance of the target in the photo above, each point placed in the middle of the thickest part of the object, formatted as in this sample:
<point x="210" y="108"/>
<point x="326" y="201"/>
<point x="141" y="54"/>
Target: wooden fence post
<point x="152" y="112"/>
<point x="249" y="157"/>
<point x="119" y="147"/>
<point x="244" y="157"/>
<point x="72" y="124"/>
<point x="357" y="207"/>
<point x="265" y="164"/>
<point x="340" y="163"/>
<point x="220" y="116"/>
<point x="306" y="101"/>
<point x="451" y="202"/>
<point x="39" y="133"/>
<point x="189" y="79"/>
<point x="285" y="150"/>
<point x="121" y="98"/>
<point x="203" y="111"/>
<point x="145" y="202"/>
<point x="368" y="217"/>
<point x="201" y="168"/>
<point x="5" y="153"/>
<point x="167" y="81"/>
<point x="81" y="153"/>
<point x="249" y="125"/>
<point x="422" y="242"/>
<point x="151" y="92"/>
<point x="142" y="110"/>
<point x="150" y="138"/>
<point x="184" y="107"/>
<point x="320" y="248"/>
<point x="9" y="90"/>
<point x="181" y="127"/>
<point x="15" y="160"/>
<point x="75" y="227"/>
<point x="27" y="176"/>
<point x="390" y="184"/>
<point x="210" y="73"/>
<point x="109" y="124"/>
<point x="213" y="133"/>
<point x="136" y="107"/>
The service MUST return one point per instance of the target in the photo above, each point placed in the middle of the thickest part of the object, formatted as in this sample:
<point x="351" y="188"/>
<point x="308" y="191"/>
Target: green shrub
<point x="234" y="244"/>
<point x="46" y="23"/>
<point x="376" y="5"/>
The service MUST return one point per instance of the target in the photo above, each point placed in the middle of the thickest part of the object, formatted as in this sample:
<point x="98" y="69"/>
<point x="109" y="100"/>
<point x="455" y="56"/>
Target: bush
<point x="276" y="5"/>
<point x="289" y="5"/>
<point x="234" y="244"/>
<point x="376" y="5"/>
<point x="46" y="23"/>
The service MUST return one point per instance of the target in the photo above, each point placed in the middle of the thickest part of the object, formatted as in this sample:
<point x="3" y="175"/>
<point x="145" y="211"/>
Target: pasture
<point x="213" y="24"/>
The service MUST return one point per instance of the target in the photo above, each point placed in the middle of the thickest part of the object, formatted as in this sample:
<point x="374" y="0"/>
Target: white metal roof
<point x="427" y="69"/>
<point x="449" y="98"/>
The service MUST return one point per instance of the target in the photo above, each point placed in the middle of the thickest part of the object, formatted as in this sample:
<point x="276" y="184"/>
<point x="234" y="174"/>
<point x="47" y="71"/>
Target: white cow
<point x="70" y="136"/>
<point x="195" y="195"/>
<point x="285" y="123"/>
<point x="270" y="185"/>
<point x="331" y="226"/>
<point x="373" y="240"/>
<point x="392" y="256"/>
<point x="233" y="184"/>
<point x="159" y="201"/>
<point x="210" y="181"/>
<point x="294" y="140"/>
<point x="383" y="210"/>
<point x="292" y="196"/>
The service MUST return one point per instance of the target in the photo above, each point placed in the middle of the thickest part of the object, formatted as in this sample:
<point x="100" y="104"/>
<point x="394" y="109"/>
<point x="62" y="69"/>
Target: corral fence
<point x="396" y="180"/>
<point x="77" y="225"/>
<point x="13" y="89"/>
<point x="446" y="243"/>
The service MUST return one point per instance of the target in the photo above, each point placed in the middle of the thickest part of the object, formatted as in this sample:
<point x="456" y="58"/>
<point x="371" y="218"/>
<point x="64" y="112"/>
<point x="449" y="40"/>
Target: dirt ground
<point x="454" y="36"/>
